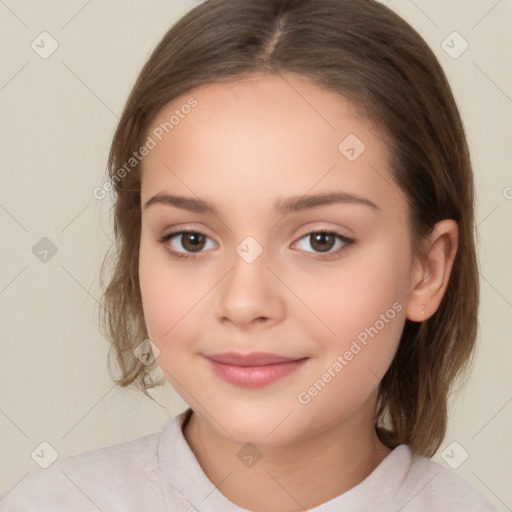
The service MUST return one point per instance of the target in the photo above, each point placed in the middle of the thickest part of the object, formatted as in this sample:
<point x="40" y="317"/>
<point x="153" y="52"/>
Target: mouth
<point x="255" y="369"/>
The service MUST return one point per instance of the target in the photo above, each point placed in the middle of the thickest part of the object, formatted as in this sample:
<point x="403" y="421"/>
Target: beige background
<point x="57" y="119"/>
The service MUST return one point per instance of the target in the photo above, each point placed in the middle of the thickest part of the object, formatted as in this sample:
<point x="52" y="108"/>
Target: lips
<point x="253" y="370"/>
<point x="253" y="359"/>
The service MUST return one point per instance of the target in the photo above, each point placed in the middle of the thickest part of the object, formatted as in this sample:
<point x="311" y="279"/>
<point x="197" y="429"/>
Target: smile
<point x="253" y="370"/>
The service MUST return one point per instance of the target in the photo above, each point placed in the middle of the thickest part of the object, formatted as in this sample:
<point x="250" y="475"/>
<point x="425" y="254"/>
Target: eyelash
<point x="326" y="256"/>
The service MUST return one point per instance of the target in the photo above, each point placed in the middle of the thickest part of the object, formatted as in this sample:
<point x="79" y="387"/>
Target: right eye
<point x="191" y="241"/>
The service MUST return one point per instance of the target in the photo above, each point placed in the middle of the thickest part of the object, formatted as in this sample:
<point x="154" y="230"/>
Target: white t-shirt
<point x="159" y="472"/>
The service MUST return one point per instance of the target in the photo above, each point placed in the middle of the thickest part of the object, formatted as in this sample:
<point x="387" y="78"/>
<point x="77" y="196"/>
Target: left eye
<point x="325" y="241"/>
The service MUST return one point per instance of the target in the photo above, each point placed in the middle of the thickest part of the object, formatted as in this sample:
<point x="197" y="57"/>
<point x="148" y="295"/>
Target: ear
<point x="431" y="271"/>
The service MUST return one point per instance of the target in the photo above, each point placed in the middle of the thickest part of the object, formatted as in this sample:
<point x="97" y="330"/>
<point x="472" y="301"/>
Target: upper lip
<point x="252" y="359"/>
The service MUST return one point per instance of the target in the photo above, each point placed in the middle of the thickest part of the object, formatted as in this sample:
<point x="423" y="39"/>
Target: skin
<point x="245" y="145"/>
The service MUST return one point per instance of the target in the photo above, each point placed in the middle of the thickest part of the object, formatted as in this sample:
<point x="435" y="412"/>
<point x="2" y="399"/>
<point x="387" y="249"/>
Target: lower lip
<point x="255" y="376"/>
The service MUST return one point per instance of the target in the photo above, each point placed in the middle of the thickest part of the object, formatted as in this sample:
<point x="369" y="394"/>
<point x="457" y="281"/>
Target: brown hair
<point x="365" y="52"/>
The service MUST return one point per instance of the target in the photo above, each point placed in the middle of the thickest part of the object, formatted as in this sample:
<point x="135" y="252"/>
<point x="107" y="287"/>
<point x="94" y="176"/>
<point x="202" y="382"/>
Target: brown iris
<point x="193" y="242"/>
<point x="322" y="241"/>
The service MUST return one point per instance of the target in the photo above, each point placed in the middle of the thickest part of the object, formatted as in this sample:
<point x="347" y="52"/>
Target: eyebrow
<point x="292" y="204"/>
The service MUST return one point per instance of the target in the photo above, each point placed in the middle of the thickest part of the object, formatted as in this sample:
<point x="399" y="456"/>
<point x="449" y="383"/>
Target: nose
<point x="250" y="295"/>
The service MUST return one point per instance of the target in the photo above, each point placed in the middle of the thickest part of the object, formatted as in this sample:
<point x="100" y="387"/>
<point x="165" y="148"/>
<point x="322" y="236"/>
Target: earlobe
<point x="432" y="272"/>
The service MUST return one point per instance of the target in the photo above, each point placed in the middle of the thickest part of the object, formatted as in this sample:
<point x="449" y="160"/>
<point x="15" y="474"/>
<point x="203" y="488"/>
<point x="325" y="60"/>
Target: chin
<point x="264" y="425"/>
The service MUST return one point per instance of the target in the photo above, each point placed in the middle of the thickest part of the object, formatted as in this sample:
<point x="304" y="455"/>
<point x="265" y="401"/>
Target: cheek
<point x="366" y="312"/>
<point x="362" y="308"/>
<point x="352" y="296"/>
<point x="168" y="295"/>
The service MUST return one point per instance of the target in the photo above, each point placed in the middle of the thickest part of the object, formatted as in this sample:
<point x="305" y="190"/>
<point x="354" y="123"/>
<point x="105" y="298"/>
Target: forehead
<point x="265" y="136"/>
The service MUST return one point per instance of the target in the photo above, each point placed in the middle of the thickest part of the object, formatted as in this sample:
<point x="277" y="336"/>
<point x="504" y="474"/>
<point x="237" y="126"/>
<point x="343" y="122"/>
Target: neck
<point x="300" y="475"/>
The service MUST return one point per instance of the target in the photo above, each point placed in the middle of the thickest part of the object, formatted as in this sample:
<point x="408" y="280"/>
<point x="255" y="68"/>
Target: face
<point x="323" y="286"/>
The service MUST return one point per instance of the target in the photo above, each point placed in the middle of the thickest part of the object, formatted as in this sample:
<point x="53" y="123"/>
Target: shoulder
<point x="427" y="485"/>
<point x="108" y="478"/>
